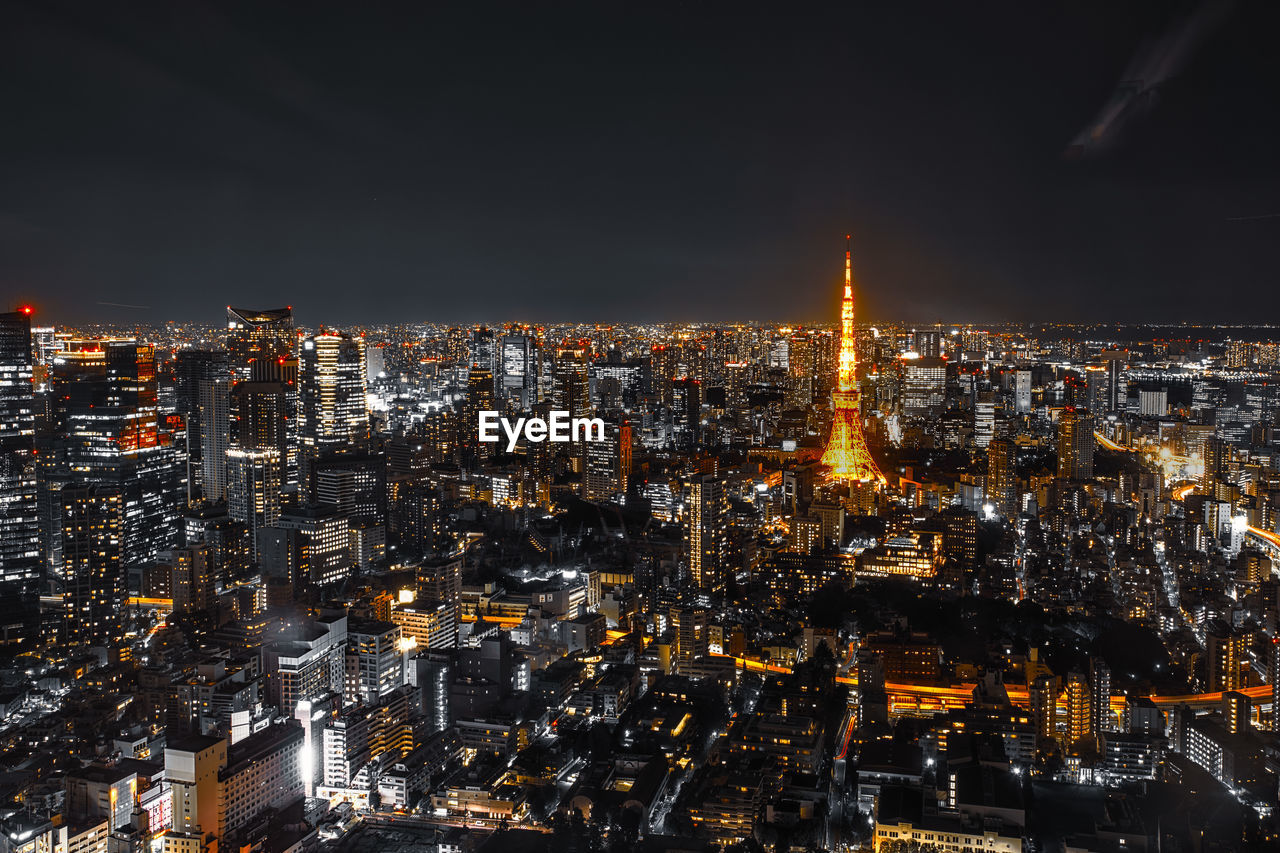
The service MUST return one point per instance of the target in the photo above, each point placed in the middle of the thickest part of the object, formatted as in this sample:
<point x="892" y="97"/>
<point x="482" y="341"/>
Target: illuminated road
<point x="927" y="698"/>
<point x="1267" y="538"/>
<point x="1111" y="445"/>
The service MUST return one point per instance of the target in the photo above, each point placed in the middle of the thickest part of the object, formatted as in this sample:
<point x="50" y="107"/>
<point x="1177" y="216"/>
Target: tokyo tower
<point x="847" y="455"/>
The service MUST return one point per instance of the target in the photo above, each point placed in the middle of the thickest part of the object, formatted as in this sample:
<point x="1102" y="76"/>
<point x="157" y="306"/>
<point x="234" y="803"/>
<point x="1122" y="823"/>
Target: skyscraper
<point x="847" y="454"/>
<point x="609" y="463"/>
<point x="707" y="531"/>
<point x="19" y="523"/>
<point x="109" y="434"/>
<point x="258" y="341"/>
<point x="571" y="389"/>
<point x="1022" y="391"/>
<point x="92" y="549"/>
<point x="193" y="368"/>
<point x="262" y="346"/>
<point x="333" y="411"/>
<point x="214" y="421"/>
<point x="1002" y="477"/>
<point x="253" y="490"/>
<point x="1075" y="444"/>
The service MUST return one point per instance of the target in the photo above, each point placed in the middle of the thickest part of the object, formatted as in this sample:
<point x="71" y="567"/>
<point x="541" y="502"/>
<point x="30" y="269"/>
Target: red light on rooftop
<point x="27" y="309"/>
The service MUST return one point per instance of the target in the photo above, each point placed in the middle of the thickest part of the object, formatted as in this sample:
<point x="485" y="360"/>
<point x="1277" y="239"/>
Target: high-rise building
<point x="1079" y="710"/>
<point x="1002" y="477"/>
<point x="571" y="388"/>
<point x="984" y="419"/>
<point x="214" y="422"/>
<point x="689" y="635"/>
<point x="517" y="379"/>
<point x="307" y="665"/>
<point x="924" y="386"/>
<point x="262" y="413"/>
<point x="928" y="343"/>
<point x="1226" y="649"/>
<point x="1100" y="693"/>
<point x="1273" y="675"/>
<point x="1075" y="444"/>
<point x="19" y="519"/>
<point x="258" y="342"/>
<point x="93" y="567"/>
<point x="333" y="405"/>
<point x="108" y="433"/>
<point x="192" y="765"/>
<point x="1043" y="698"/>
<point x="376" y="660"/>
<point x="333" y="411"/>
<point x="1022" y="391"/>
<point x="253" y="490"/>
<point x="609" y="463"/>
<point x="707" y="531"/>
<point x="847" y="455"/>
<point x="192" y="368"/>
<point x="1116" y="392"/>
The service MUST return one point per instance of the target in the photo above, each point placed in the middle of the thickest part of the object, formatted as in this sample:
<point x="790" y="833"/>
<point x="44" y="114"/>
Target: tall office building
<point x="259" y="341"/>
<point x="984" y="419"/>
<point x="609" y="463"/>
<point x="333" y="410"/>
<point x="105" y="416"/>
<point x="571" y="379"/>
<point x="928" y="343"/>
<point x="1022" y="391"/>
<point x="517" y="380"/>
<point x="1075" y="444"/>
<point x="192" y="368"/>
<point x="214" y="422"/>
<point x="1117" y="393"/>
<point x="483" y="351"/>
<point x="253" y="490"/>
<point x="92" y="551"/>
<point x="1002" y="477"/>
<point x="19" y="521"/>
<point x="924" y="386"/>
<point x="262" y="347"/>
<point x="707" y="532"/>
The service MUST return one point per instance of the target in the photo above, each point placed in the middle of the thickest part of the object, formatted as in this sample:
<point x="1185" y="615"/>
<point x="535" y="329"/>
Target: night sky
<point x="640" y="161"/>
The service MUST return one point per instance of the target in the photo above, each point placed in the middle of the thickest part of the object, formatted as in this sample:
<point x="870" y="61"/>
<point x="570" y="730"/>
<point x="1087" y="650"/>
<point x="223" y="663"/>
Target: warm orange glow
<point x="847" y="455"/>
<point x="1266" y="535"/>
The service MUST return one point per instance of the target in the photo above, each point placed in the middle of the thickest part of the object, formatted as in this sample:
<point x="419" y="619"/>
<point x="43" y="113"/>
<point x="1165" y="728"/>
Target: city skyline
<point x="310" y="544"/>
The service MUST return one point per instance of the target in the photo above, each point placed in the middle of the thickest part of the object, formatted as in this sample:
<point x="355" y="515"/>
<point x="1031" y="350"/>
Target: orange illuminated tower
<point x="847" y="454"/>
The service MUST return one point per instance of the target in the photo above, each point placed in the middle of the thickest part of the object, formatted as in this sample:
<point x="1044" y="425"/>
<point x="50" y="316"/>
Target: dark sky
<point x="639" y="161"/>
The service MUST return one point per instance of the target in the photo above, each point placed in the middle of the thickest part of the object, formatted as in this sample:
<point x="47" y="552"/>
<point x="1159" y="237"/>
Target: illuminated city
<point x="426" y="562"/>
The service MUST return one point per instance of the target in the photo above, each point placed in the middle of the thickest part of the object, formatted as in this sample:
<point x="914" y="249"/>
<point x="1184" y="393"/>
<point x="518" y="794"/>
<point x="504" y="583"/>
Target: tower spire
<point x="847" y="454"/>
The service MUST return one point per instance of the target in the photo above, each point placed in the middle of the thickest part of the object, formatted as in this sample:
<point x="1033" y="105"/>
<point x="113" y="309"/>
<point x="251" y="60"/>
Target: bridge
<point x="917" y="699"/>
